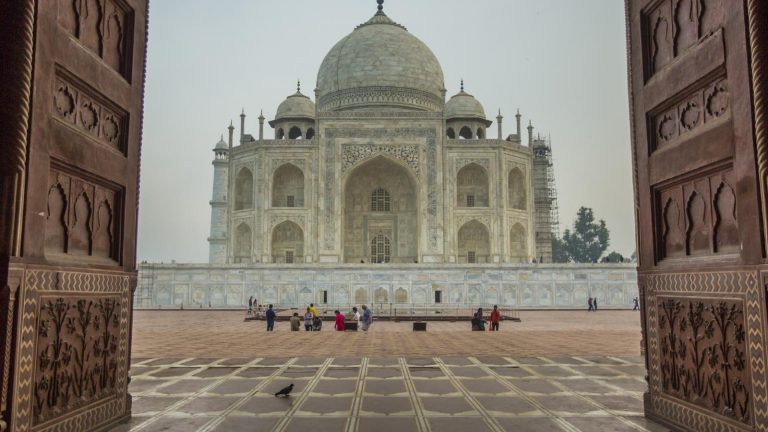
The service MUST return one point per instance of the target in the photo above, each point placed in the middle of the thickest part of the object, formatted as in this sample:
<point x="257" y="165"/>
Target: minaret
<point x="517" y="117"/>
<point x="231" y="129"/>
<point x="217" y="240"/>
<point x="499" y="118"/>
<point x="530" y="134"/>
<point x="261" y="125"/>
<point x="242" y="126"/>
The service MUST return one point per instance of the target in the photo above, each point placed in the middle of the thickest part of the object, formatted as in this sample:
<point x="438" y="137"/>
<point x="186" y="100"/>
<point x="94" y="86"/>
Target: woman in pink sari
<point x="339" y="321"/>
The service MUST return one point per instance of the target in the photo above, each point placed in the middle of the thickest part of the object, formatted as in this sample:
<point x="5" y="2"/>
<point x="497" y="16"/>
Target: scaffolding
<point x="142" y="297"/>
<point x="547" y="217"/>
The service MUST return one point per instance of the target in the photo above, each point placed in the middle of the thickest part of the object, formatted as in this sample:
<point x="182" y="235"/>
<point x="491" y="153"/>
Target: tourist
<point x="317" y="323"/>
<point x="478" y="323"/>
<point x="367" y="318"/>
<point x="637" y="304"/>
<point x="295" y="322"/>
<point x="250" y="306"/>
<point x="495" y="318"/>
<point x="308" y="320"/>
<point x="595" y="303"/>
<point x="271" y="319"/>
<point x="591" y="305"/>
<point x="312" y="309"/>
<point x="356" y="315"/>
<point x="339" y="325"/>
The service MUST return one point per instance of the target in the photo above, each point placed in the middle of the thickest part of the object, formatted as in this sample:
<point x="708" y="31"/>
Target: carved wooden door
<point x="68" y="244"/>
<point x="697" y="194"/>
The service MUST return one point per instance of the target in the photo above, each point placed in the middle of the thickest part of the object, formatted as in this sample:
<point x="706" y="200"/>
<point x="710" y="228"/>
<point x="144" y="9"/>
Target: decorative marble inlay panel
<point x="718" y="347"/>
<point x="462" y="162"/>
<point x="277" y="163"/>
<point x="434" y="194"/>
<point x="353" y="153"/>
<point x="77" y="359"/>
<point x="704" y="354"/>
<point x="277" y="219"/>
<point x="90" y="113"/>
<point x="77" y="344"/>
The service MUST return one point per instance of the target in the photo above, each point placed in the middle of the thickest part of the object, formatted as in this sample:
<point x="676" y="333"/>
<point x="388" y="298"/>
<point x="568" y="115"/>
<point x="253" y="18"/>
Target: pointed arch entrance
<point x="380" y="213"/>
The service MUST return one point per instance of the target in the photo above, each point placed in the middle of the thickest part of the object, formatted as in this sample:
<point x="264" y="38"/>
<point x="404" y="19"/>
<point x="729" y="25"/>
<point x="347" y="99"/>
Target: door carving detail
<point x="704" y="354"/>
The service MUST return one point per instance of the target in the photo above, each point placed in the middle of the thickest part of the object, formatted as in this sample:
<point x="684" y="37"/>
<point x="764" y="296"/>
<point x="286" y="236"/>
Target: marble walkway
<point x="397" y="393"/>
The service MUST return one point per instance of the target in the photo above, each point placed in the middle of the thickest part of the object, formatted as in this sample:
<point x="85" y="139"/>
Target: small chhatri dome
<point x="221" y="144"/>
<point x="380" y="64"/>
<point x="295" y="106"/>
<point x="464" y="106"/>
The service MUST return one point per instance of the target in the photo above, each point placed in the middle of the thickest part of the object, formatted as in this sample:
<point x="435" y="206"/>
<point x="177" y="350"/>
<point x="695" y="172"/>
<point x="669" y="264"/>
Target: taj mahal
<point x="383" y="188"/>
<point x="381" y="167"/>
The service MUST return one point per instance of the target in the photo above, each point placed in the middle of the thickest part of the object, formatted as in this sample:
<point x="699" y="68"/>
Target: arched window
<point x="451" y="133"/>
<point x="516" y="185"/>
<point x="294" y="133"/>
<point x="518" y="244"/>
<point x="310" y="133"/>
<point x="465" y="132"/>
<point x="474" y="243"/>
<point x="288" y="187"/>
<point x="244" y="190"/>
<point x="380" y="201"/>
<point x="242" y="244"/>
<point x="280" y="134"/>
<point x="480" y="133"/>
<point x="287" y="243"/>
<point x="380" y="249"/>
<point x="472" y="186"/>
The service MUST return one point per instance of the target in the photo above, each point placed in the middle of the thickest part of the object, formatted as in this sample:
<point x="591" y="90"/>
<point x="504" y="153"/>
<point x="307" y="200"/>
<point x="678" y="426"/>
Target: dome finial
<point x="462" y="84"/>
<point x="298" y="86"/>
<point x="381" y="6"/>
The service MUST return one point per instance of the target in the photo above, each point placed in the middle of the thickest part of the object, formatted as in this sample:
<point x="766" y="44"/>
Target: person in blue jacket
<point x="271" y="315"/>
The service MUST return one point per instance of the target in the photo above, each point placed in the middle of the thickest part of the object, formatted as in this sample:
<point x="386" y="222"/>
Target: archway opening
<point x="288" y="187"/>
<point x="244" y="190"/>
<point x="516" y="188"/>
<point x="294" y="133"/>
<point x="472" y="186"/>
<point x="287" y="243"/>
<point x="380" y="199"/>
<point x="518" y="244"/>
<point x="242" y="252"/>
<point x="474" y="243"/>
<point x="466" y="132"/>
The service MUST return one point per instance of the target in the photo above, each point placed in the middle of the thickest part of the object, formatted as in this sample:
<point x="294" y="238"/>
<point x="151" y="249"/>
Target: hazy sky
<point x="561" y="62"/>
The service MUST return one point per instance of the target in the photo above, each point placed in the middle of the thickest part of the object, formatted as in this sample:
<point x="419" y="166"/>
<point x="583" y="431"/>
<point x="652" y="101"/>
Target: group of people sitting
<point x="313" y="322"/>
<point x="478" y="320"/>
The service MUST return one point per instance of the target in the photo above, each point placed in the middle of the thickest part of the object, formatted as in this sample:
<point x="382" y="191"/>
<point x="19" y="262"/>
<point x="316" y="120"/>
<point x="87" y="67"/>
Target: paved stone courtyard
<point x="196" y="375"/>
<point x="224" y="334"/>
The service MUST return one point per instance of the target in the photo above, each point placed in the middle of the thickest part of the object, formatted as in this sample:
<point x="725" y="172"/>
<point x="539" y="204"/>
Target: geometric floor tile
<point x="394" y="394"/>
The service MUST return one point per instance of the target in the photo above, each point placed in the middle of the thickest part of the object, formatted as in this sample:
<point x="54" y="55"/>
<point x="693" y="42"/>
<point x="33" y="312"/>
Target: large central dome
<point x="380" y="65"/>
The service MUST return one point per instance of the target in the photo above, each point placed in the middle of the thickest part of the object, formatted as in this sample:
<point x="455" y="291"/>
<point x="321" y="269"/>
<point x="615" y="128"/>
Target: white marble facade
<point x="530" y="286"/>
<point x="380" y="167"/>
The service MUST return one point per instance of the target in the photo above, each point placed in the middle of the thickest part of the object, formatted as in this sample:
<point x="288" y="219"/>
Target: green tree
<point x="613" y="257"/>
<point x="559" y="253"/>
<point x="588" y="240"/>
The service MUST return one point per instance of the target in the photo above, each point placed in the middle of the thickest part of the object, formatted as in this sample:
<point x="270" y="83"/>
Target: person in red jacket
<point x="495" y="318"/>
<point x="339" y="321"/>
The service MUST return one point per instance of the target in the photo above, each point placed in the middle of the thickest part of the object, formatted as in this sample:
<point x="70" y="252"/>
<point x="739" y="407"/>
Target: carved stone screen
<point x="697" y="92"/>
<point x="72" y="90"/>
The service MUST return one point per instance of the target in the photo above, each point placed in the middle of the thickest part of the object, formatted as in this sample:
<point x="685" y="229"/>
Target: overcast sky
<point x="561" y="62"/>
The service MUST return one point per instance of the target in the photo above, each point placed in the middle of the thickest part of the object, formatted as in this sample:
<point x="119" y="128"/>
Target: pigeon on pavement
<point x="285" y="392"/>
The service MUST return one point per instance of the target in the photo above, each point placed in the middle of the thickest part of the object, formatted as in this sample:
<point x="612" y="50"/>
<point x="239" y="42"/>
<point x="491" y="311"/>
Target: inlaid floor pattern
<point x="392" y="394"/>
